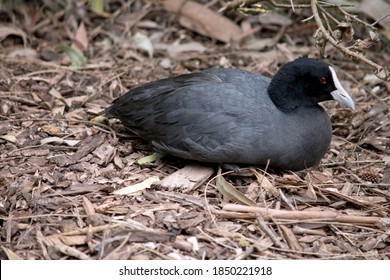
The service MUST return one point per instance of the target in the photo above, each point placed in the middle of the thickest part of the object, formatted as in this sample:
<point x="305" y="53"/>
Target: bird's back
<point x="218" y="115"/>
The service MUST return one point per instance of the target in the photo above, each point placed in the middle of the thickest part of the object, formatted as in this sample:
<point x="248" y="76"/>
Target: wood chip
<point x="188" y="178"/>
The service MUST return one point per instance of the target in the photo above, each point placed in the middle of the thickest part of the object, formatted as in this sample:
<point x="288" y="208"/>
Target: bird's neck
<point x="284" y="93"/>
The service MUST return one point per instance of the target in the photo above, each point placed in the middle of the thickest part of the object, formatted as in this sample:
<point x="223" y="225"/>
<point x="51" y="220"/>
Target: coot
<point x="230" y="116"/>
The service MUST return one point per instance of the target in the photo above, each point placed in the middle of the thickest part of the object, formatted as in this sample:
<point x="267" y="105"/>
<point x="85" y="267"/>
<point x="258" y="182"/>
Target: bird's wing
<point x="196" y="116"/>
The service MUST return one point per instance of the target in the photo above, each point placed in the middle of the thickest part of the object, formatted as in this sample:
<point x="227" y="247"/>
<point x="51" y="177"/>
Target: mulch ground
<point x="58" y="170"/>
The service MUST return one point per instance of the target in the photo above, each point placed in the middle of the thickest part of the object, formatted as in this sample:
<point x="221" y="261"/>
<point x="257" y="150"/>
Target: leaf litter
<point x="59" y="170"/>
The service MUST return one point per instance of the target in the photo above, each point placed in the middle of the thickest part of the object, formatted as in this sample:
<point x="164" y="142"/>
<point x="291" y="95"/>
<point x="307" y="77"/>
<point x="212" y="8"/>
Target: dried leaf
<point x="230" y="192"/>
<point x="143" y="43"/>
<point x="375" y="142"/>
<point x="291" y="238"/>
<point x="137" y="187"/>
<point x="88" y="206"/>
<point x="60" y="239"/>
<point x="317" y="177"/>
<point x="195" y="245"/>
<point x="59" y="141"/>
<point x="258" y="44"/>
<point x="52" y="130"/>
<point x="176" y="49"/>
<point x="58" y="110"/>
<point x="274" y="18"/>
<point x="310" y="192"/>
<point x="346" y="31"/>
<point x="202" y="20"/>
<point x="26" y="52"/>
<point x="9" y="138"/>
<point x="55" y="93"/>
<point x="10" y="254"/>
<point x="81" y="39"/>
<point x="265" y="183"/>
<point x="6" y="30"/>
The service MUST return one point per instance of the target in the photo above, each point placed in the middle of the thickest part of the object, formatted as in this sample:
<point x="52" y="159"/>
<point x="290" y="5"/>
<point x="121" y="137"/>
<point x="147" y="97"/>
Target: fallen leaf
<point x="6" y="30"/>
<point x="55" y="93"/>
<point x="202" y="20"/>
<point x="137" y="187"/>
<point x="375" y="142"/>
<point x="258" y="44"/>
<point x="76" y="57"/>
<point x="176" y="49"/>
<point x="97" y="6"/>
<point x="143" y="43"/>
<point x="194" y="242"/>
<point x="11" y="255"/>
<point x="25" y="52"/>
<point x="310" y="192"/>
<point x="58" y="110"/>
<point x="9" y="138"/>
<point x="88" y="207"/>
<point x="265" y="183"/>
<point x="273" y="18"/>
<point x="57" y="140"/>
<point x="291" y="239"/>
<point x="230" y="192"/>
<point x="81" y="39"/>
<point x="99" y="119"/>
<point x="149" y="159"/>
<point x="317" y="177"/>
<point x="52" y="130"/>
<point x="60" y="239"/>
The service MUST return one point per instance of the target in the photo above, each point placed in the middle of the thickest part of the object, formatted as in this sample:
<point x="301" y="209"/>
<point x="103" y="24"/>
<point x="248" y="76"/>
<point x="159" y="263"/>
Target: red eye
<point x="323" y="80"/>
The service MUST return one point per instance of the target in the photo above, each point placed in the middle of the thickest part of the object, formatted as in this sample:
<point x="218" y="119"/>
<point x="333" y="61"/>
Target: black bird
<point x="230" y="116"/>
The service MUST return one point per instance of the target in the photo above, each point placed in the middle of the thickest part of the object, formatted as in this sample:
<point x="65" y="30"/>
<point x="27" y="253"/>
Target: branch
<point x="380" y="71"/>
<point x="325" y="34"/>
<point x="299" y="216"/>
<point x="234" y="5"/>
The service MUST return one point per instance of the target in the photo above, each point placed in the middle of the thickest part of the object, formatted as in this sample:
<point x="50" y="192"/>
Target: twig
<point x="285" y="199"/>
<point x="328" y="34"/>
<point x="305" y="215"/>
<point x="327" y="22"/>
<point x="328" y="15"/>
<point x="376" y="22"/>
<point x="378" y="68"/>
<point x="355" y="18"/>
<point x="234" y="5"/>
<point x="265" y="228"/>
<point x="249" y="251"/>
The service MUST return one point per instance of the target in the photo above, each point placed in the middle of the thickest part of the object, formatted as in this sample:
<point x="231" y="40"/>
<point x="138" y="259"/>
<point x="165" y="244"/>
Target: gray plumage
<point x="234" y="116"/>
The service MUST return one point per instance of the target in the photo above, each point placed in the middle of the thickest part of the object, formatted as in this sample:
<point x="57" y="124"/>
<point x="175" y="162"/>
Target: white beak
<point x="339" y="94"/>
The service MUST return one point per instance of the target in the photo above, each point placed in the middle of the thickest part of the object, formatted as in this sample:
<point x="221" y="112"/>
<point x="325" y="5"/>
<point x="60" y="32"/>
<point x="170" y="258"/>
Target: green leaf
<point x="97" y="6"/>
<point x="76" y="57"/>
<point x="150" y="159"/>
